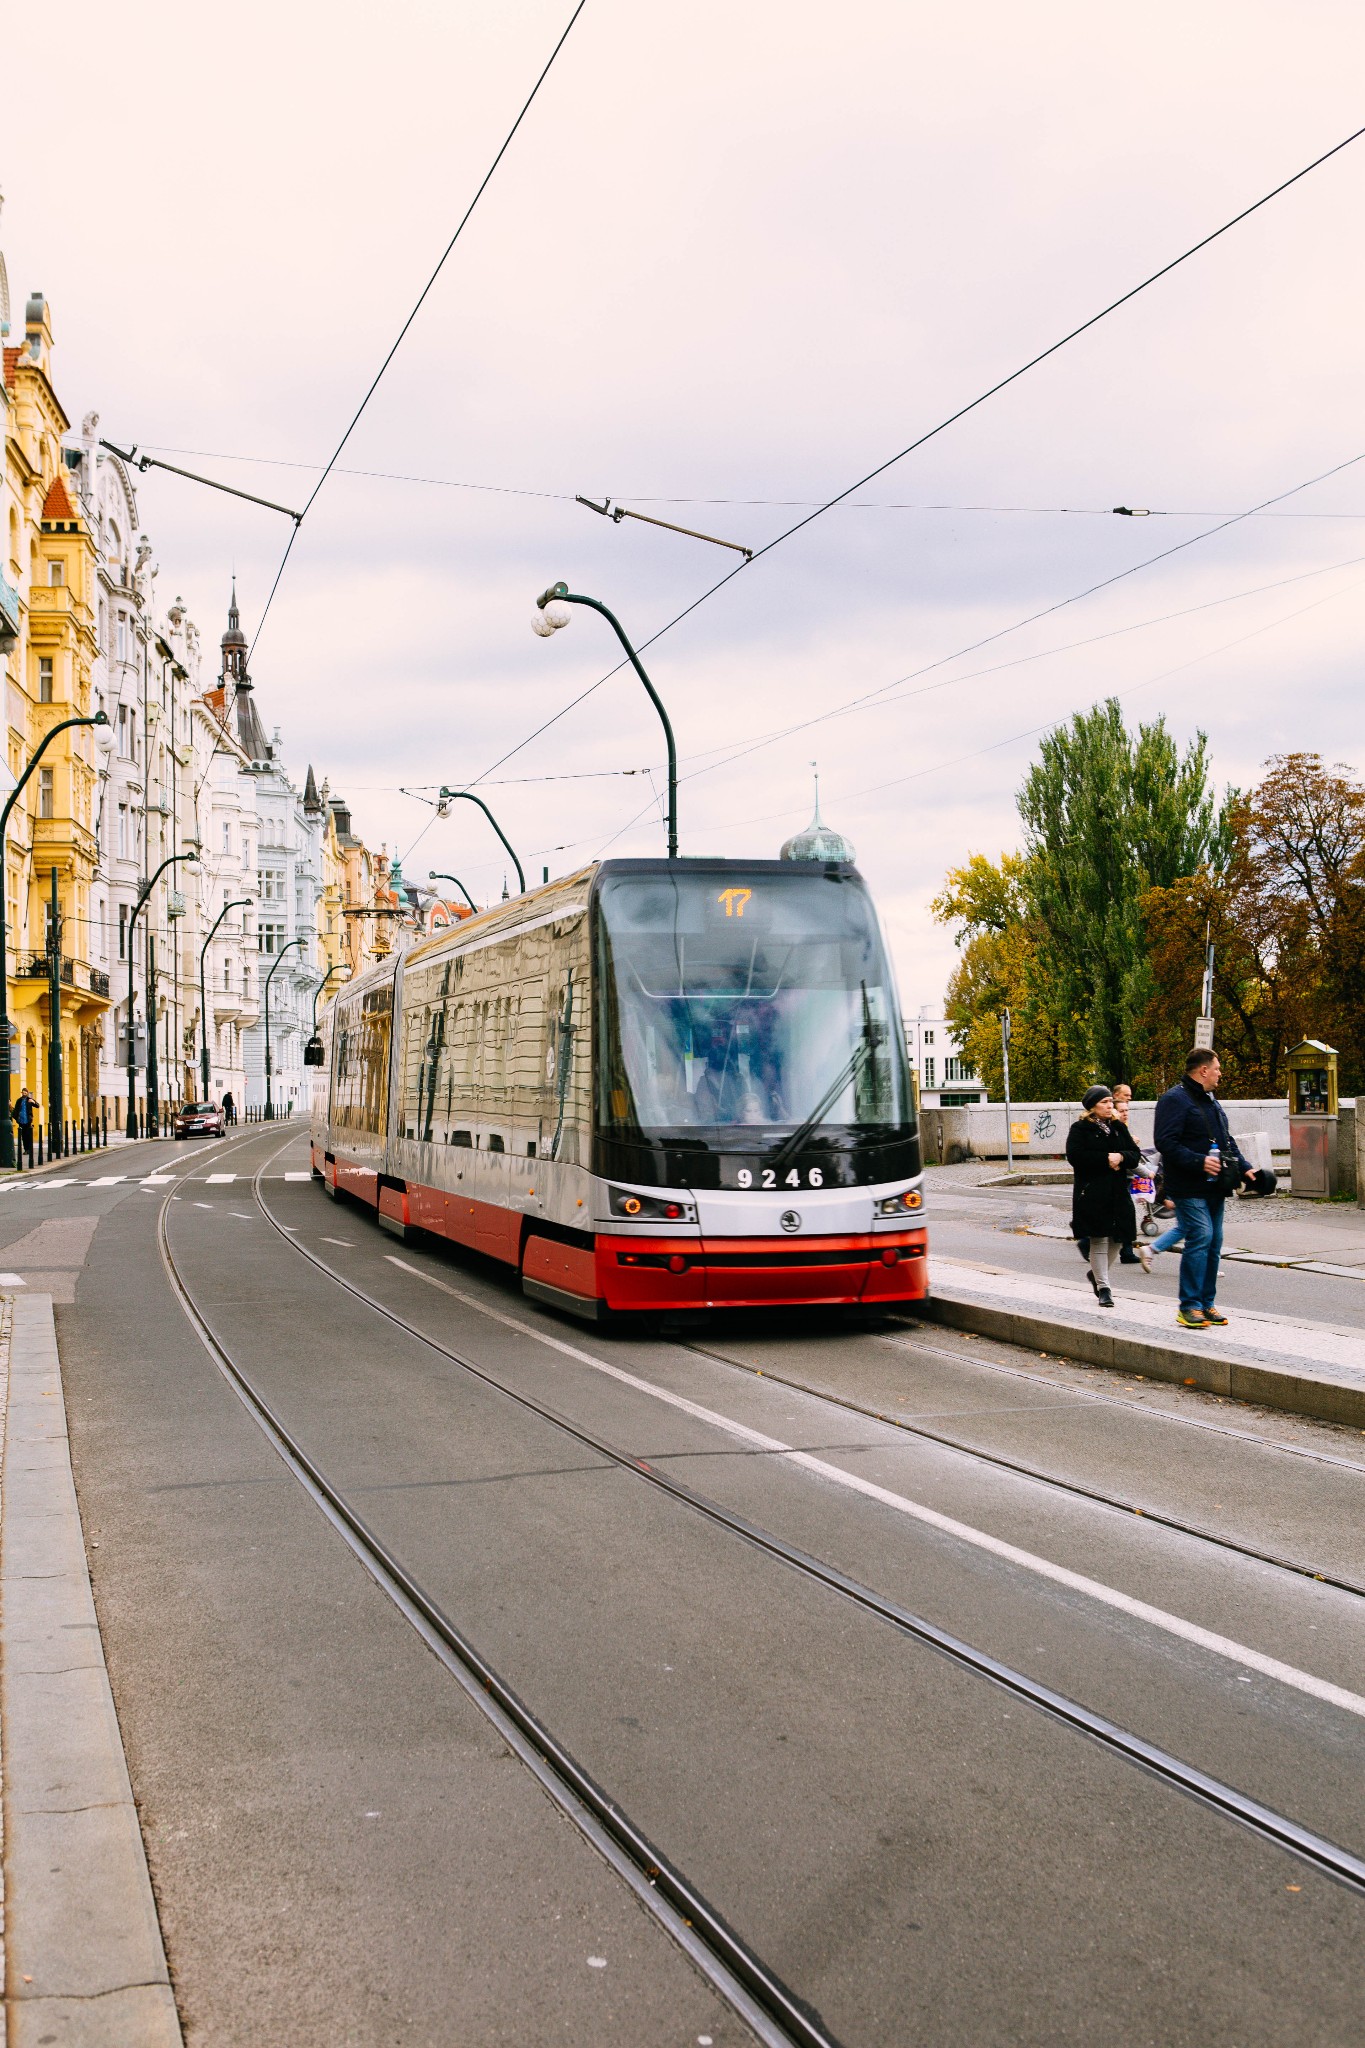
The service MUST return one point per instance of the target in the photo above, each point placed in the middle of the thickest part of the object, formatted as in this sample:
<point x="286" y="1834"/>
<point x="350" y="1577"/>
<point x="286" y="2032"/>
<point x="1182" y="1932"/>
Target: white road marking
<point x="158" y="1180"/>
<point x="64" y="1182"/>
<point x="12" y="1280"/>
<point x="347" y="1244"/>
<point x="241" y="1215"/>
<point x="107" y="1180"/>
<point x="220" y="1178"/>
<point x="299" y="1176"/>
<point x="203" y="1205"/>
<point x="1076" y="1582"/>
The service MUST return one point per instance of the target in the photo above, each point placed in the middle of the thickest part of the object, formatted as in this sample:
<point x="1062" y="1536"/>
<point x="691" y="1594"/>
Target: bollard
<point x="104" y="1128"/>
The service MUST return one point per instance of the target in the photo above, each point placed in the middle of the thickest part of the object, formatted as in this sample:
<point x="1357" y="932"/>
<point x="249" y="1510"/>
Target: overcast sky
<point x="736" y="257"/>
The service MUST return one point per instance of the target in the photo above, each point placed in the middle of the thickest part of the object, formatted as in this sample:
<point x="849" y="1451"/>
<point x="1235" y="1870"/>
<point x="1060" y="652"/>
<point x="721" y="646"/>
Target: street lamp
<point x="287" y="948"/>
<point x="550" y="606"/>
<point x="144" y="896"/>
<point x="312" y="1052"/>
<point x="6" y="1125"/>
<point x="237" y="903"/>
<point x="450" y="796"/>
<point x="434" y="877"/>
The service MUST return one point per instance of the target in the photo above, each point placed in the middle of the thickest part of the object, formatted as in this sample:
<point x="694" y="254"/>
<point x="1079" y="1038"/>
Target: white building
<point x="946" y="1079"/>
<point x="289" y="885"/>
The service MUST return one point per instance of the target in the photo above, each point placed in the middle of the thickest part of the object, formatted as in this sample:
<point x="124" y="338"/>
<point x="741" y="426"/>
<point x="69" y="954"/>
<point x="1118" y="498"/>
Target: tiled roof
<point x="56" y="505"/>
<point x="11" y="358"/>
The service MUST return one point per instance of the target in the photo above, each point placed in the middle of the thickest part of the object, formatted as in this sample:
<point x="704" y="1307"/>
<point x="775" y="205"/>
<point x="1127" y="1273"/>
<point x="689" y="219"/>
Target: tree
<point x="1109" y="816"/>
<point x="1287" y="919"/>
<point x="992" y="906"/>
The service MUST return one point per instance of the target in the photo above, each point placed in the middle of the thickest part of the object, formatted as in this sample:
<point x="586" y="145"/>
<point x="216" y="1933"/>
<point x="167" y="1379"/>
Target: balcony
<point x="76" y="974"/>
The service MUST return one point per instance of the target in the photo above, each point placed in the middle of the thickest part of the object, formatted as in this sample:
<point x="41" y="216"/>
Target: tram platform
<point x="1304" y="1367"/>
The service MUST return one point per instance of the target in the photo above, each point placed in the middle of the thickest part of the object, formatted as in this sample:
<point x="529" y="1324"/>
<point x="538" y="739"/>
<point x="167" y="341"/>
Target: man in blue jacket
<point x="1201" y="1164"/>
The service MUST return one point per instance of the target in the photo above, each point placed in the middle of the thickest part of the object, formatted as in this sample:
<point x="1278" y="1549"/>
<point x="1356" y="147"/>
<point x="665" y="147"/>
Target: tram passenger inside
<point x="714" y="1070"/>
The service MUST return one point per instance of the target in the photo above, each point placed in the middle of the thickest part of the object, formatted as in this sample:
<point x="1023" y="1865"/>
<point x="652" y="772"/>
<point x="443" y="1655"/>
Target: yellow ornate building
<point x="50" y="575"/>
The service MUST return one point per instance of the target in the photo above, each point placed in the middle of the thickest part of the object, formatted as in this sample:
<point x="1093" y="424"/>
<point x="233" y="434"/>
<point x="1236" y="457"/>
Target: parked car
<point x="200" y="1120"/>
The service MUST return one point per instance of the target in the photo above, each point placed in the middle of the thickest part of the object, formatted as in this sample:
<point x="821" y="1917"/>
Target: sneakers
<point x="1104" y="1297"/>
<point x="1193" y="1319"/>
<point x="1144" y="1257"/>
<point x="1212" y="1316"/>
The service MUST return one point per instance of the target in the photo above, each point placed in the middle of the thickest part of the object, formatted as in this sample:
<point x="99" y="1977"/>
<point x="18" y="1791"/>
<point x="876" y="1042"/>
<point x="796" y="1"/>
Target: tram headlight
<point x="902" y="1204"/>
<point x="650" y="1208"/>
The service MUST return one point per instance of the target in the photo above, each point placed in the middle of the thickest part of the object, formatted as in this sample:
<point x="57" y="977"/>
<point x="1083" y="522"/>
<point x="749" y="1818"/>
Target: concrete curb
<point x="1299" y="1392"/>
<point x="85" y="1963"/>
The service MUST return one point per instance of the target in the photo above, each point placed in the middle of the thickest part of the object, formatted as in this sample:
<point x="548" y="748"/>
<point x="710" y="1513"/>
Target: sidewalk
<point x="1308" y="1368"/>
<point x="85" y="1965"/>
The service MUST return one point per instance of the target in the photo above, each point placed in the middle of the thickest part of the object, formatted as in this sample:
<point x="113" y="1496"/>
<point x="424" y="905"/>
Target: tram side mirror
<point x="313" y="1052"/>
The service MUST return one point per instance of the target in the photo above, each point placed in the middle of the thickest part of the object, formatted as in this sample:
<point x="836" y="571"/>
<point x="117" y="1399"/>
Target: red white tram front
<point x="655" y="1085"/>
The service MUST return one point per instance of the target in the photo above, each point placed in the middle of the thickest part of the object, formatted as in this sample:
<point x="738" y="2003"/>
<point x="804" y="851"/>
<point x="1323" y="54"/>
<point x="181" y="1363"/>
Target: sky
<point x="734" y="259"/>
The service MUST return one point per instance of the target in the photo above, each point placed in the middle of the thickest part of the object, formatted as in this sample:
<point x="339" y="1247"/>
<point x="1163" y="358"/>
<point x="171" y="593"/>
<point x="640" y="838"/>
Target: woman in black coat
<point x="1102" y="1153"/>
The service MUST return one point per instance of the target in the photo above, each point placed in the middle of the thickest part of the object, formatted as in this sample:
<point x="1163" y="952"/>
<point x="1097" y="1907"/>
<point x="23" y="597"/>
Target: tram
<point x="651" y="1085"/>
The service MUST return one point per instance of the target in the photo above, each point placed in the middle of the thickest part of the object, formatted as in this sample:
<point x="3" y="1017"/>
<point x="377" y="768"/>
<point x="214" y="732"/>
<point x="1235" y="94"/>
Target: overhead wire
<point x="421" y="299"/>
<point x="962" y="411"/>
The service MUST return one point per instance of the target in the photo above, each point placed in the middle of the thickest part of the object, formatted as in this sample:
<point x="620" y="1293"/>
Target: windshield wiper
<point x="851" y="1071"/>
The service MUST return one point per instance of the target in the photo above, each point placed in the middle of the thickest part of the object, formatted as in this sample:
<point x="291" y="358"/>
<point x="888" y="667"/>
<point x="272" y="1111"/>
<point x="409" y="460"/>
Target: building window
<point x="123" y="831"/>
<point x="123" y="931"/>
<point x="227" y="974"/>
<point x="271" y="936"/>
<point x="56" y="575"/>
<point x="929" y="1071"/>
<point x="227" y="836"/>
<point x="928" y="1038"/>
<point x="46" y="794"/>
<point x="44" y="678"/>
<point x="958" y="1070"/>
<point x="270" y="882"/>
<point x="123" y="636"/>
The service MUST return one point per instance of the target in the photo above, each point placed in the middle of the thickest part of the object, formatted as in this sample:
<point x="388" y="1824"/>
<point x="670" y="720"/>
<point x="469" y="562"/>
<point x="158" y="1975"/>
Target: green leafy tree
<point x="1109" y="815"/>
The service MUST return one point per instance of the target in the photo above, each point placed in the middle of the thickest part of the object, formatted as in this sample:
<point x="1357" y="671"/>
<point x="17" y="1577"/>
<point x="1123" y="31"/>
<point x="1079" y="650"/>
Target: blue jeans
<point x="1201" y="1220"/>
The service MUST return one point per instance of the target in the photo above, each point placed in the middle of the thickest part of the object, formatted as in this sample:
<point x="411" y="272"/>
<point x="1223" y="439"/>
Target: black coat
<point x="1188" y="1120"/>
<point x="1101" y="1205"/>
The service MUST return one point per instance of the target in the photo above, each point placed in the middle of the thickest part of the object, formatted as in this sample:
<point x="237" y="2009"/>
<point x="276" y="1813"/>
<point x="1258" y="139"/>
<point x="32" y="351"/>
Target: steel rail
<point x="754" y="1992"/>
<point x="1016" y="1465"/>
<point x="1328" y="1858"/>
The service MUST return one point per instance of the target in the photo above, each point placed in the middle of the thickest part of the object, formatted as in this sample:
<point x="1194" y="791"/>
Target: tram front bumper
<point x="727" y="1272"/>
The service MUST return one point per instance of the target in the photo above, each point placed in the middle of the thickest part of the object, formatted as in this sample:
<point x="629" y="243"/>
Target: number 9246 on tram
<point x="651" y="1085"/>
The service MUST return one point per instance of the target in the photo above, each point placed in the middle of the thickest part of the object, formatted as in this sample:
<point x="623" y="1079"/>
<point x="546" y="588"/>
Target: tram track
<point x="1024" y="1471"/>
<point x="636" y="1859"/>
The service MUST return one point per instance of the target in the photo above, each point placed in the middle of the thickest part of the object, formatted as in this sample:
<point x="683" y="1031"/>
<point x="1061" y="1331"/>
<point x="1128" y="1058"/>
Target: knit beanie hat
<point x="1094" y="1095"/>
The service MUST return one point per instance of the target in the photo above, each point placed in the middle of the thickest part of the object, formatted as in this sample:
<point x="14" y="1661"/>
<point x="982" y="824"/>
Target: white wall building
<point x="946" y="1079"/>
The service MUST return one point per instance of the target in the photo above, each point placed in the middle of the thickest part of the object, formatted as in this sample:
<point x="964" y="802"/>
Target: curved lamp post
<point x="237" y="903"/>
<point x="340" y="968"/>
<point x="144" y="896"/>
<point x="550" y="606"/>
<point x="287" y="948"/>
<point x="433" y="876"/>
<point x="6" y="1123"/>
<point x="449" y="796"/>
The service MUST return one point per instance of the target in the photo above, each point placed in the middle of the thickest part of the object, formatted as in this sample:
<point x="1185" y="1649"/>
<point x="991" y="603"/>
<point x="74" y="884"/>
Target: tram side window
<point x="360" y="1091"/>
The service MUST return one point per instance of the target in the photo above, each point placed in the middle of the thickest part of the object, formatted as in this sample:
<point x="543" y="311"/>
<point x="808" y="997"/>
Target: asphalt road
<point x="344" y="1852"/>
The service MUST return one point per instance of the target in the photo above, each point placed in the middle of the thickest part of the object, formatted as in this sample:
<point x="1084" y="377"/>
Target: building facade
<point x="946" y="1079"/>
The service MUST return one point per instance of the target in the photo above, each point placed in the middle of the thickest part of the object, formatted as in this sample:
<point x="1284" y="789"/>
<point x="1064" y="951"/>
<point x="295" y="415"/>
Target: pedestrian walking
<point x="25" y="1114"/>
<point x="1123" y="1096"/>
<point x="1202" y="1164"/>
<point x="1102" y="1153"/>
<point x="229" y="1107"/>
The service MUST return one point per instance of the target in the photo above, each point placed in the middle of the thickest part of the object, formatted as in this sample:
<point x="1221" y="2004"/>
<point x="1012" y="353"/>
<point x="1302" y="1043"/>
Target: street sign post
<point x="1006" y="1030"/>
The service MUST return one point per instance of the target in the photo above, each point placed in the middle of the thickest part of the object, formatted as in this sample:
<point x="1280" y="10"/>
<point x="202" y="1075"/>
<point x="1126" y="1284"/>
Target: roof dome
<point x="819" y="841"/>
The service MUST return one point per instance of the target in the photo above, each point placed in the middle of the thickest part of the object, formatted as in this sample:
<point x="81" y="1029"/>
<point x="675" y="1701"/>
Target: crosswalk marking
<point x="219" y="1178"/>
<point x="158" y="1180"/>
<point x="106" y="1180"/>
<point x="299" y="1176"/>
<point x="11" y="1280"/>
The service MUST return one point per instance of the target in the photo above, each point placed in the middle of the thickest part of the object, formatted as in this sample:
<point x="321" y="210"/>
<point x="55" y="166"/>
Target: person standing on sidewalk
<point x="1101" y="1154"/>
<point x="25" y="1114"/>
<point x="229" y="1107"/>
<point x="1202" y="1164"/>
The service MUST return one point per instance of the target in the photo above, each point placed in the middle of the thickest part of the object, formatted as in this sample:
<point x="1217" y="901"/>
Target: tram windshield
<point x="742" y="1010"/>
